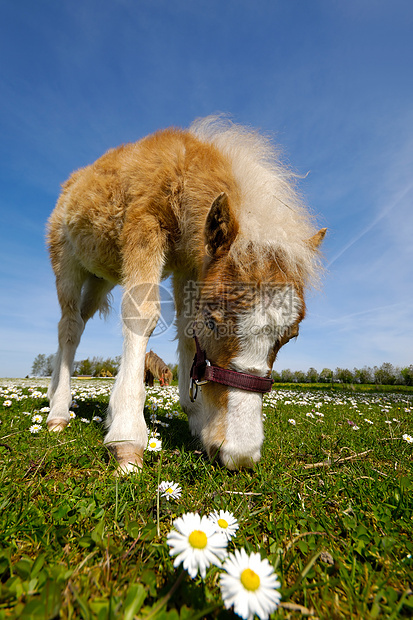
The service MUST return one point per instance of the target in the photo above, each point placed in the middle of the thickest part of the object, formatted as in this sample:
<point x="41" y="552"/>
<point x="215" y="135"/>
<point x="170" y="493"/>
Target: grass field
<point x="330" y="506"/>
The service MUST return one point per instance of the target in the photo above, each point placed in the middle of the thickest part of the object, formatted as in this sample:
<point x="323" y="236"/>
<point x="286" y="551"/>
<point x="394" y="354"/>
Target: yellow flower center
<point x="152" y="444"/>
<point x="170" y="490"/>
<point x="198" y="539"/>
<point x="222" y="523"/>
<point x="250" y="580"/>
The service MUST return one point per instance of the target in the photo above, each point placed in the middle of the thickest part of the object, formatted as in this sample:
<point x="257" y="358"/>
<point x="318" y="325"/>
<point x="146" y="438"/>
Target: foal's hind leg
<point x="69" y="282"/>
<point x="78" y="306"/>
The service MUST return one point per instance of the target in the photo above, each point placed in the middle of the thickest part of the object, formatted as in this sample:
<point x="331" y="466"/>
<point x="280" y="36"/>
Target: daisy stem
<point x="158" y="495"/>
<point x="116" y="500"/>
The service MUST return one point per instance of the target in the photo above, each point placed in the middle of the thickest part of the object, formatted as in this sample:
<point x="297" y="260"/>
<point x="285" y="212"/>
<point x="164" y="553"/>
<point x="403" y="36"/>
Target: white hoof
<point x="129" y="458"/>
<point x="124" y="469"/>
<point x="56" y="425"/>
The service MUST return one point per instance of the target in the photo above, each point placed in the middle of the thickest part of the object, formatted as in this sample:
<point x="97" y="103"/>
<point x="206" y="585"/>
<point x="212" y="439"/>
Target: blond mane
<point x="272" y="216"/>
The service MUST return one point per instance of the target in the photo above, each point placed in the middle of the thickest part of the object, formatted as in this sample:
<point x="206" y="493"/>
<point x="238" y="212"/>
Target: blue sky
<point x="332" y="81"/>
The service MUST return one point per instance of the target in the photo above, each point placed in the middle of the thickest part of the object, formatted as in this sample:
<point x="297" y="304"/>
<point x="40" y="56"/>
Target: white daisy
<point x="154" y="445"/>
<point x="72" y="415"/>
<point x="196" y="544"/>
<point x="408" y="438"/>
<point x="250" y="585"/>
<point x="292" y="421"/>
<point x="7" y="403"/>
<point x="96" y="418"/>
<point x="170" y="490"/>
<point x="37" y="418"/>
<point x="35" y="428"/>
<point x="224" y="522"/>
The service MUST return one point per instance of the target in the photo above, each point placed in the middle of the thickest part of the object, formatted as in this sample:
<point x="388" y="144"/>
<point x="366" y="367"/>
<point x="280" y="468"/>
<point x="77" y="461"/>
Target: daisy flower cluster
<point x="247" y="583"/>
<point x="165" y="398"/>
<point x="30" y="391"/>
<point x="12" y="393"/>
<point x="366" y="410"/>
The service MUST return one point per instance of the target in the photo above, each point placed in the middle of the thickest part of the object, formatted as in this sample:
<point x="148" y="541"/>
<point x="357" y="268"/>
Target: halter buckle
<point x="194" y="383"/>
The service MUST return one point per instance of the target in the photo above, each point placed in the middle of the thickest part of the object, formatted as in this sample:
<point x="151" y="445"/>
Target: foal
<point x="214" y="207"/>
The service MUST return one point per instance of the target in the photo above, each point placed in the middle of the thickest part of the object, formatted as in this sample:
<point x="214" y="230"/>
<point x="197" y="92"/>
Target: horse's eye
<point x="210" y="323"/>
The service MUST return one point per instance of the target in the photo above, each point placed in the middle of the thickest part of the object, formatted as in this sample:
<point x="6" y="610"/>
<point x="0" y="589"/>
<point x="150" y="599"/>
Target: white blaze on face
<point x="259" y="329"/>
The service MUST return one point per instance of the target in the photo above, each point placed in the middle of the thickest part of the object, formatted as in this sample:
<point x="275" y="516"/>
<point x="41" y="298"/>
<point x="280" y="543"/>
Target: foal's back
<point x="170" y="177"/>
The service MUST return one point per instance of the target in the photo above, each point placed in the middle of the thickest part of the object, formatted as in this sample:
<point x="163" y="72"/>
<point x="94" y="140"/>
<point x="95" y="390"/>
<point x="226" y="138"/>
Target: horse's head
<point x="249" y="307"/>
<point x="167" y="377"/>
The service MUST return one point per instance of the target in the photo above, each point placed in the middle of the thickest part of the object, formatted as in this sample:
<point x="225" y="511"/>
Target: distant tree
<point x="312" y="375"/>
<point x="299" y="376"/>
<point x="97" y="367"/>
<point x="407" y="374"/>
<point x="326" y="375"/>
<point x="84" y="367"/>
<point x="385" y="375"/>
<point x="174" y="369"/>
<point x="39" y="365"/>
<point x="343" y="375"/>
<point x="287" y="376"/>
<point x="112" y="365"/>
<point x="399" y="377"/>
<point x="43" y="365"/>
<point x="276" y="377"/>
<point x="50" y="362"/>
<point x="363" y="375"/>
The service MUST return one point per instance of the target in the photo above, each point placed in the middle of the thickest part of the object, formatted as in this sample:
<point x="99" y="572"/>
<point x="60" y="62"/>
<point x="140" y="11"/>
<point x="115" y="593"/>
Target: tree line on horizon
<point x="386" y="374"/>
<point x="96" y="367"/>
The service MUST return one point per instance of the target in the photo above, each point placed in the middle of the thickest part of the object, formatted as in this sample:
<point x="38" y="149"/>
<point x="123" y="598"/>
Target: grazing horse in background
<point x="214" y="207"/>
<point x="155" y="368"/>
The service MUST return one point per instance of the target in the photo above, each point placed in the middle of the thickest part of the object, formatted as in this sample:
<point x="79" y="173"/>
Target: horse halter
<point x="203" y="371"/>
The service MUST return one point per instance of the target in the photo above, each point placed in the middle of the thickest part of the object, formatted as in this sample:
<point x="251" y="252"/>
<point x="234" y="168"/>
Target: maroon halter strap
<point x="202" y="372"/>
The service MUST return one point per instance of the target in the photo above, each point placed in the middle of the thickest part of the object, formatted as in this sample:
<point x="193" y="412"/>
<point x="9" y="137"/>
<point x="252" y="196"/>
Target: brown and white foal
<point x="214" y="207"/>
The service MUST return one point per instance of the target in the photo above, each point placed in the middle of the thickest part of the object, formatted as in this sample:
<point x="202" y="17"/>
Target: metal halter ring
<point x="196" y="383"/>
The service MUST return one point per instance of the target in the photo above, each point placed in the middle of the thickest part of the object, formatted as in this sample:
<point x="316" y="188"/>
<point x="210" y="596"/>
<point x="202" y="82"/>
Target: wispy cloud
<point x="400" y="196"/>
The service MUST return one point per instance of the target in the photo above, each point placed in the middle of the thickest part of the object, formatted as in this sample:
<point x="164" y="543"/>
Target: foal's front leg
<point x="127" y="435"/>
<point x="143" y="257"/>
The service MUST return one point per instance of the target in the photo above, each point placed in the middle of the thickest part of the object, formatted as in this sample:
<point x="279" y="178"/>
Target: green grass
<point x="329" y="506"/>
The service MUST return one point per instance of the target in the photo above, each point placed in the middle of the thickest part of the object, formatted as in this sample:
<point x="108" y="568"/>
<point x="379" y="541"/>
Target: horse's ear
<point x="317" y="239"/>
<point x="221" y="228"/>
